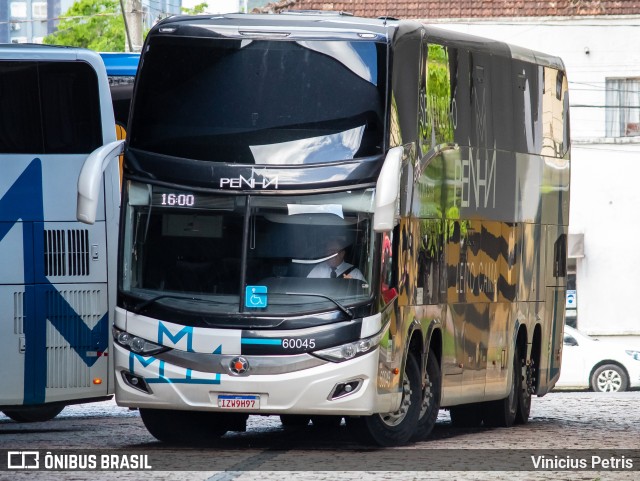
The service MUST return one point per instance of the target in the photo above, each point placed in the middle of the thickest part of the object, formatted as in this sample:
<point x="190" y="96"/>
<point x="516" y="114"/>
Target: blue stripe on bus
<point x="23" y="201"/>
<point x="272" y="342"/>
<point x="166" y="380"/>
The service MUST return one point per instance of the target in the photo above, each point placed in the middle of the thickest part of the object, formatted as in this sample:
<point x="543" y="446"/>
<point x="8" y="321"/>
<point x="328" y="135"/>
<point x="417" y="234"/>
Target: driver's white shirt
<point x="324" y="271"/>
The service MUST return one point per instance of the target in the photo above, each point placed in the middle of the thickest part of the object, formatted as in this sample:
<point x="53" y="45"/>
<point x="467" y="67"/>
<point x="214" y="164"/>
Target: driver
<point x="335" y="266"/>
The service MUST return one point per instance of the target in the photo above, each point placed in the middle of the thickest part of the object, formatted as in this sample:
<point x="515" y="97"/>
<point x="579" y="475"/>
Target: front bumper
<point x="304" y="391"/>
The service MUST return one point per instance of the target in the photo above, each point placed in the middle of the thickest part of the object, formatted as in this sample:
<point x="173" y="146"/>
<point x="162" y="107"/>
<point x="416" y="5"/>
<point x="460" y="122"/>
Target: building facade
<point x="599" y="43"/>
<point x="28" y="21"/>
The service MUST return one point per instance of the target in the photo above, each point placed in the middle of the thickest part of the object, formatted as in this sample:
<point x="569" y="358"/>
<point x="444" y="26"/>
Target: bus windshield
<point x="207" y="253"/>
<point x="261" y="102"/>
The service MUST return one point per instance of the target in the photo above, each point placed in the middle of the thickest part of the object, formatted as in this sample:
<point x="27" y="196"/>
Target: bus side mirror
<point x="387" y="191"/>
<point x="90" y="177"/>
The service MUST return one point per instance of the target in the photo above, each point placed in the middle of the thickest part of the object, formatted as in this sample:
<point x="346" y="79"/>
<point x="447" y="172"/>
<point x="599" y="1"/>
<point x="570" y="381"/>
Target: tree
<point x="94" y="24"/>
<point x="196" y="10"/>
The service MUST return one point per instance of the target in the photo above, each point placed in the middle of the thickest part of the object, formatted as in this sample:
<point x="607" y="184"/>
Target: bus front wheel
<point x="396" y="428"/>
<point x="184" y="427"/>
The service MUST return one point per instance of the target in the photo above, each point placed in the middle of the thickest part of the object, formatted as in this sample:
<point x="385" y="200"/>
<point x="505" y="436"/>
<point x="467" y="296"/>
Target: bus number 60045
<point x="298" y="343"/>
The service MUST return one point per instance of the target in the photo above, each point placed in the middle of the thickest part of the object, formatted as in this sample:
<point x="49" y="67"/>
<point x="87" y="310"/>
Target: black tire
<point x="184" y="427"/>
<point x="294" y="420"/>
<point x="34" y="415"/>
<point x="326" y="422"/>
<point x="393" y="429"/>
<point x="502" y="413"/>
<point x="467" y="415"/>
<point x="609" y="378"/>
<point x="526" y="384"/>
<point x="431" y="395"/>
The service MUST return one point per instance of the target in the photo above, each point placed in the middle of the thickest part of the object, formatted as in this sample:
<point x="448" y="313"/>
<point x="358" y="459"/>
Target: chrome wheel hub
<point x="395" y="418"/>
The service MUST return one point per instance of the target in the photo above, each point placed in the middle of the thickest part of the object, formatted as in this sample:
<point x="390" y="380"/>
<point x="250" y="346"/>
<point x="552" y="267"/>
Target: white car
<point x="600" y="365"/>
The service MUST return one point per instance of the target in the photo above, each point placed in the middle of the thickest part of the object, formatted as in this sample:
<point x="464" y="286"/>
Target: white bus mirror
<point x="90" y="177"/>
<point x="387" y="191"/>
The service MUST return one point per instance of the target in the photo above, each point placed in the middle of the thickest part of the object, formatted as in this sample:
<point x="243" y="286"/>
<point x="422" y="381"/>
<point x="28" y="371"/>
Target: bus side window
<point x="430" y="250"/>
<point x="387" y="266"/>
<point x="49" y="108"/>
<point x="560" y="256"/>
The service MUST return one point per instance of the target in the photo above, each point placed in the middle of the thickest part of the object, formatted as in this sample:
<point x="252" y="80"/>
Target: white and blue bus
<point x="328" y="217"/>
<point x="57" y="286"/>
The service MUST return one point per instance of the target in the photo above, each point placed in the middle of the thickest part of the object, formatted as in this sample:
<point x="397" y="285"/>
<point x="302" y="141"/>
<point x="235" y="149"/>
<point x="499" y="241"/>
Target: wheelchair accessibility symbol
<point x="255" y="297"/>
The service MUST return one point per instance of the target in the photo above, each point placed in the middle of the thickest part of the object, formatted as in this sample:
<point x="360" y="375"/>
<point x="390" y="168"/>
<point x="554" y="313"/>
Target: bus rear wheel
<point x="35" y="414"/>
<point x="503" y="412"/>
<point x="430" y="399"/>
<point x="396" y="428"/>
<point x="184" y="427"/>
<point x="527" y="373"/>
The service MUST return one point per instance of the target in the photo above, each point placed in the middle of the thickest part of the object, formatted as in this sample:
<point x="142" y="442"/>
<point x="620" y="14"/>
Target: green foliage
<point x="196" y="10"/>
<point x="94" y="24"/>
<point x="439" y="94"/>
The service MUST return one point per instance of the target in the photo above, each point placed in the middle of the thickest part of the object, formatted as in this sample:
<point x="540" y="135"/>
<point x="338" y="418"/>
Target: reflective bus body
<point x="436" y="163"/>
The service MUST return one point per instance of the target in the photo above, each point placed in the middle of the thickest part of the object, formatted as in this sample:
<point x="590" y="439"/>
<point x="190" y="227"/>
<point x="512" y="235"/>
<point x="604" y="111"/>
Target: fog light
<point x="136" y="382"/>
<point x="345" y="389"/>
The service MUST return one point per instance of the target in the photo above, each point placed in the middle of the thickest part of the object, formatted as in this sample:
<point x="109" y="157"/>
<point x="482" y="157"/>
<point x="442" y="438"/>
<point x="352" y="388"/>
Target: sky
<point x="216" y="6"/>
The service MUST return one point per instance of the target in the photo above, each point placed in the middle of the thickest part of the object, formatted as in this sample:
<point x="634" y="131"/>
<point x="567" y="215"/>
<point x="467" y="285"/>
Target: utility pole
<point x="132" y="11"/>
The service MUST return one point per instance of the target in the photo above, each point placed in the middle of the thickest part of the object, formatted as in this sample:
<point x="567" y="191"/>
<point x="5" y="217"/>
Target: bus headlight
<point x="136" y="344"/>
<point x="350" y="350"/>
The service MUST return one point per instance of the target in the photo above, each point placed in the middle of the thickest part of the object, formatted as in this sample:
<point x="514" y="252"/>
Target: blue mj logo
<point x="255" y="297"/>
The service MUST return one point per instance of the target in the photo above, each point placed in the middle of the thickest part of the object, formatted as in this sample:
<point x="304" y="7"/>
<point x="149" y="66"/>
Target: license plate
<point x="238" y="401"/>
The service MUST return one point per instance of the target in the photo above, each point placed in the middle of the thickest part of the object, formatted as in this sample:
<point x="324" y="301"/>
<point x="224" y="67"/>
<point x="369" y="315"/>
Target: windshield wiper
<point x="346" y="310"/>
<point x="138" y="307"/>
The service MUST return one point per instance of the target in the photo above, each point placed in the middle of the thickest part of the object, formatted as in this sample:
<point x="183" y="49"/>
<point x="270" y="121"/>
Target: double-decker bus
<point x="57" y="280"/>
<point x="327" y="217"/>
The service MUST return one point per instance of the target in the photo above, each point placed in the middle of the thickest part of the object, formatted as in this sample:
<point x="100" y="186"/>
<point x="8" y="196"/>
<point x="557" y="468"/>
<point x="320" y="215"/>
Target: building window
<point x="623" y="107"/>
<point x="18" y="10"/>
<point x="39" y="10"/>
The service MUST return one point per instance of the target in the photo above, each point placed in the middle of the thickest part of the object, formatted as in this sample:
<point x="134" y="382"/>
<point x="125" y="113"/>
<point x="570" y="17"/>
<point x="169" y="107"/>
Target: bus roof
<point x="333" y="25"/>
<point x="121" y="64"/>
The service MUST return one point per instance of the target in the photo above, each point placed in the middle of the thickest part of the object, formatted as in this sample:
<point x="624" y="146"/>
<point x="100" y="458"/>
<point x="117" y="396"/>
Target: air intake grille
<point x="65" y="369"/>
<point x="18" y="312"/>
<point x="66" y="252"/>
